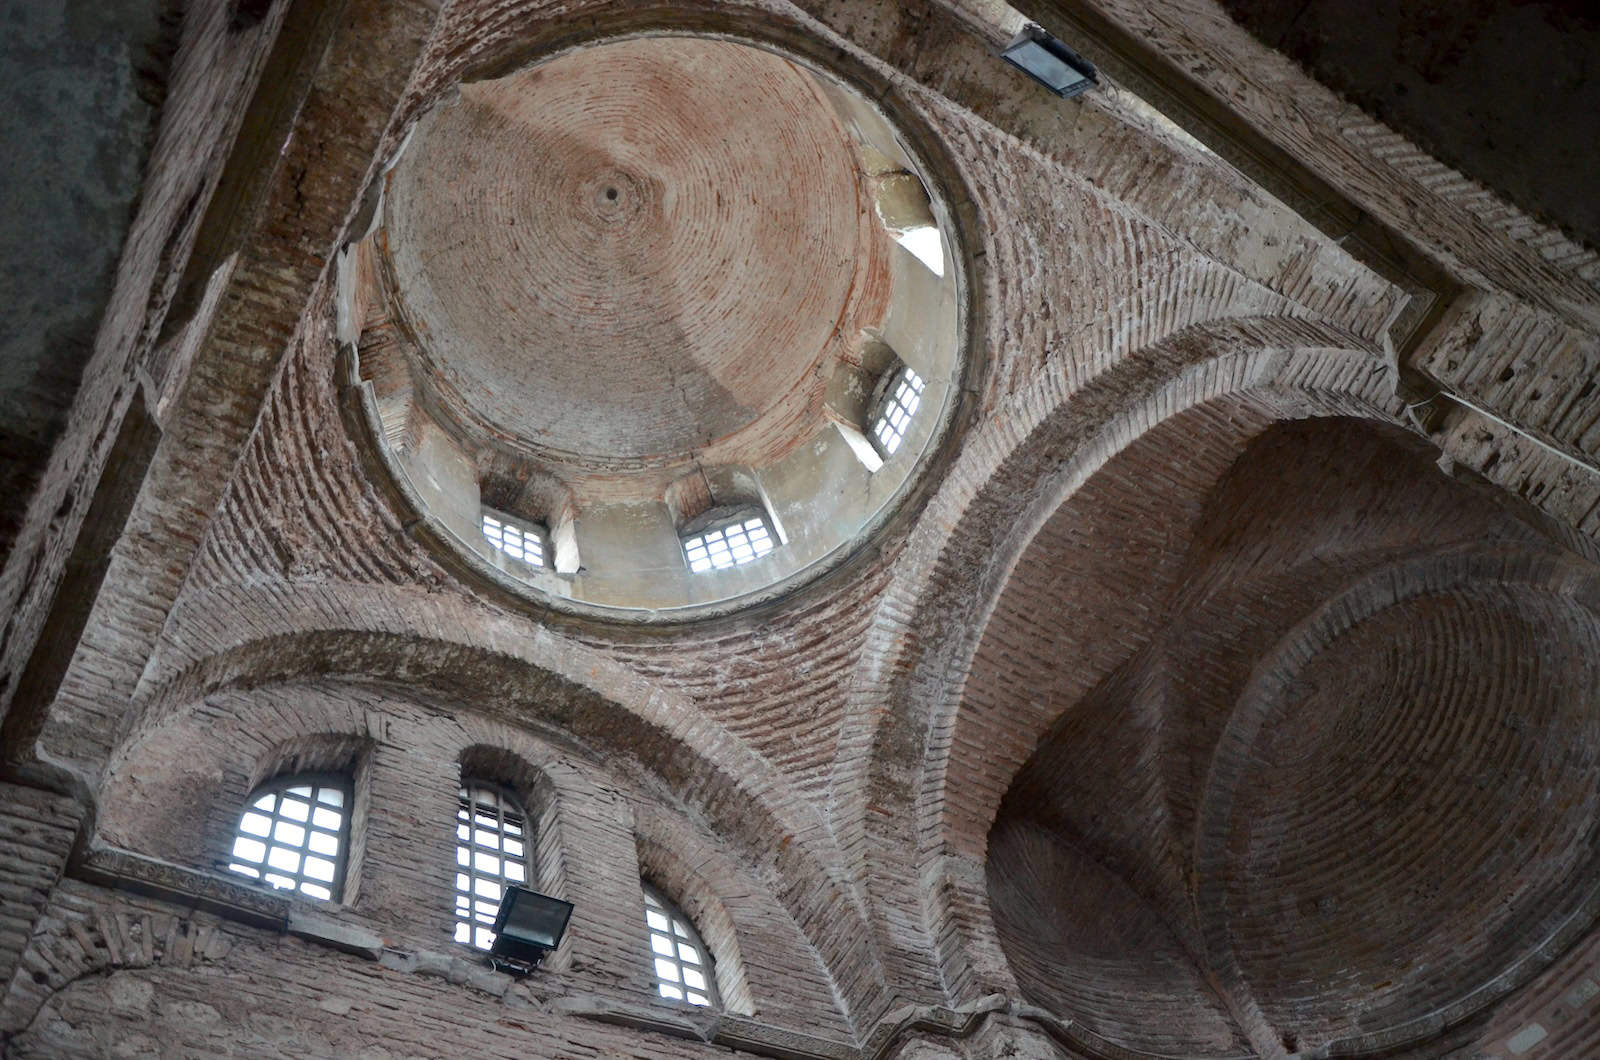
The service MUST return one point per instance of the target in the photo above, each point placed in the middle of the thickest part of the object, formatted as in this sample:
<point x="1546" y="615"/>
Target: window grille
<point x="491" y="851"/>
<point x="518" y="542"/>
<point x="294" y="834"/>
<point x="683" y="965"/>
<point x="732" y="544"/>
<point x="899" y="404"/>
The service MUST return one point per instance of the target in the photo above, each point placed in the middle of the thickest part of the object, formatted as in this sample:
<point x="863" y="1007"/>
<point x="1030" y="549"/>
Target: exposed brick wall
<point x="1477" y="235"/>
<point x="1114" y="541"/>
<point x="37" y="831"/>
<point x="177" y="794"/>
<point x="210" y="84"/>
<point x="1329" y="843"/>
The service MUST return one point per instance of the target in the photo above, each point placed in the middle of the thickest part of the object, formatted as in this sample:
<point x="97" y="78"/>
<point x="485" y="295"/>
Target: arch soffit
<point x="959" y="912"/>
<point x="1027" y="460"/>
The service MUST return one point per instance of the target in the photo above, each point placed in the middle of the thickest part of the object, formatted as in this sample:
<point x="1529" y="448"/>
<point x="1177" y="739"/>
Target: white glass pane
<point x="283" y="858"/>
<point x="515" y="872"/>
<point x="694" y="979"/>
<point x="266" y="802"/>
<point x="513" y="848"/>
<point x="662" y="945"/>
<point x="487" y="889"/>
<point x="484" y="938"/>
<point x="463" y="857"/>
<point x="697" y="999"/>
<point x="247" y="870"/>
<point x="687" y="953"/>
<point x="322" y="843"/>
<point x="279" y="881"/>
<point x="329" y="819"/>
<point x="247" y="849"/>
<point x="316" y="891"/>
<point x="666" y="970"/>
<point x="486" y="839"/>
<point x="294" y="809"/>
<point x="463" y="932"/>
<point x="331" y="796"/>
<point x="656" y="920"/>
<point x="486" y="863"/>
<point x="671" y="991"/>
<point x="255" y="824"/>
<point x="319" y="869"/>
<point x="289" y="834"/>
<point x="301" y="790"/>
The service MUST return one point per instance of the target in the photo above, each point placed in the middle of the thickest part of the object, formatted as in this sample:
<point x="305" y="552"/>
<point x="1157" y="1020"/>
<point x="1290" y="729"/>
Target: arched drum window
<point x="294" y="834"/>
<point x="683" y="965"/>
<point x="492" y="850"/>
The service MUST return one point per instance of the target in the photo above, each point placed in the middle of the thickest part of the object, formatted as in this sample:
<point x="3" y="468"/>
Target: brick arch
<point x="390" y="642"/>
<point x="100" y="940"/>
<point x="955" y="818"/>
<point x="677" y="862"/>
<point x="1045" y="445"/>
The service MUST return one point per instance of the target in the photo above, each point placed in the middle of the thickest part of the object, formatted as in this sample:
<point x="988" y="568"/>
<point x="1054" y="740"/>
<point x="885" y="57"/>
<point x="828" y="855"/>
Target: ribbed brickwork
<point x="1311" y="851"/>
<point x="1186" y="708"/>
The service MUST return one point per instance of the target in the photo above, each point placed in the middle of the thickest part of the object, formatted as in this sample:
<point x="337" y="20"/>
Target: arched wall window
<point x="494" y="847"/>
<point x="683" y="965"/>
<point x="294" y="834"/>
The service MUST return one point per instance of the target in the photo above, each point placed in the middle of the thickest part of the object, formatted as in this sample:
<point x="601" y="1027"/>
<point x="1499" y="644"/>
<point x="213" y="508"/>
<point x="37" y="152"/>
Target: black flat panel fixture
<point x="1050" y="62"/>
<point x="528" y="926"/>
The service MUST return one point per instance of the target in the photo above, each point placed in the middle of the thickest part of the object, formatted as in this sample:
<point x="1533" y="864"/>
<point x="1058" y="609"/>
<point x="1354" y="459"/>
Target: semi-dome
<point x="647" y="289"/>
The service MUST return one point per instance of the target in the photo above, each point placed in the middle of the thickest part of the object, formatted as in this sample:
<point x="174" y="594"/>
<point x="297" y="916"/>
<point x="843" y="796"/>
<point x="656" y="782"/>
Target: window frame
<point x="467" y="808"/>
<point x="524" y="529"/>
<point x="680" y="930"/>
<point x="702" y="528"/>
<point x="887" y="397"/>
<point x="316" y="781"/>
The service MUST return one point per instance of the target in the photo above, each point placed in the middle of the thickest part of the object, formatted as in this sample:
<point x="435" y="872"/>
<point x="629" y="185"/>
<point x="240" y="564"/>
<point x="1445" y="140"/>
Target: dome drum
<point x="573" y="303"/>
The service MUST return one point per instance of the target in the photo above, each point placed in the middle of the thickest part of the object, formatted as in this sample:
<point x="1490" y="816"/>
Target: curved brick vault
<point x="1352" y="723"/>
<point x="1223" y="682"/>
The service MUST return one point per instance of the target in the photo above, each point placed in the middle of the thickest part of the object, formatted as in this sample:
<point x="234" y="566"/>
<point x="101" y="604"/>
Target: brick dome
<point x="636" y="250"/>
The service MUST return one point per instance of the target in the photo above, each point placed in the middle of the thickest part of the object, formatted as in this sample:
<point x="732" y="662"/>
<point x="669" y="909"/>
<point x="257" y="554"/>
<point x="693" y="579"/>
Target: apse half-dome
<point x="656" y="326"/>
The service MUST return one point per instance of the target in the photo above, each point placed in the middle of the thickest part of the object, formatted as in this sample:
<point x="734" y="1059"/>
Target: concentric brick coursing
<point x="1305" y="815"/>
<point x="633" y="250"/>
